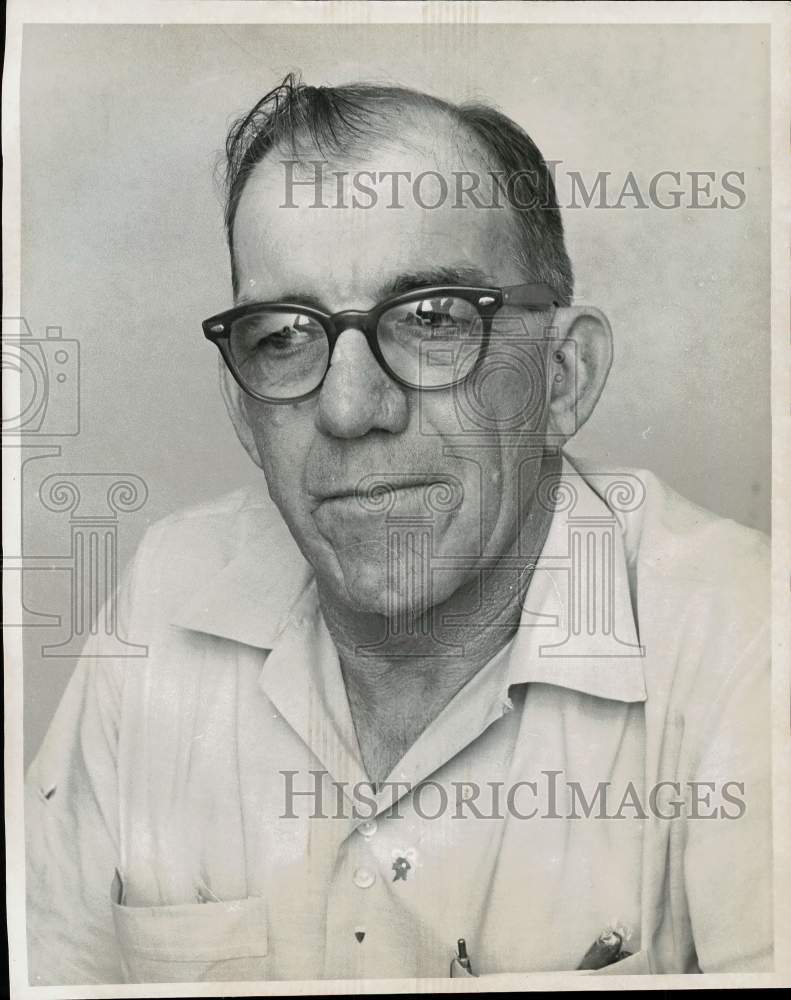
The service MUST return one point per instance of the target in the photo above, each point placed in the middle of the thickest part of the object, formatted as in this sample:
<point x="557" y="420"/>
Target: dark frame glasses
<point x="534" y="297"/>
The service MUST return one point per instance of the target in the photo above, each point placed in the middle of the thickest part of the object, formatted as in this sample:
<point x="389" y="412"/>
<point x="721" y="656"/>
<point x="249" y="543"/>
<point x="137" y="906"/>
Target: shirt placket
<point x="374" y="927"/>
<point x="366" y="935"/>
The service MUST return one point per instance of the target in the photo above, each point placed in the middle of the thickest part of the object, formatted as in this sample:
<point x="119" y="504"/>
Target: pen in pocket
<point x="461" y="965"/>
<point x="203" y="893"/>
<point x="604" y="951"/>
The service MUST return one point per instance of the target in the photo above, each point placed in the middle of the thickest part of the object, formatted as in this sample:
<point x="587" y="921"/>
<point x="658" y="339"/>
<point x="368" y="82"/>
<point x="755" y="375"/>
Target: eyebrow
<point x="298" y="298"/>
<point x="405" y="282"/>
<point x="414" y="280"/>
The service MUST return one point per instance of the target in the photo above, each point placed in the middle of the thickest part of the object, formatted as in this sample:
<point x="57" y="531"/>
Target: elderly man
<point x="448" y="686"/>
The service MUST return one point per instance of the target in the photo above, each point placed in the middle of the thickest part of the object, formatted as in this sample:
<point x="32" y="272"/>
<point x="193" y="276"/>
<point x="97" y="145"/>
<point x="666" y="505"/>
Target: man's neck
<point x="399" y="680"/>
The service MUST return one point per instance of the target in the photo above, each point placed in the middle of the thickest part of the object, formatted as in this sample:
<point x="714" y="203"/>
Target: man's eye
<point x="282" y="339"/>
<point x="273" y="334"/>
<point x="437" y="318"/>
<point x="436" y="312"/>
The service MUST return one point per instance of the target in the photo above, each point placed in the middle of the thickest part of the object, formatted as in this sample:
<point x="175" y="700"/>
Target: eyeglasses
<point x="426" y="339"/>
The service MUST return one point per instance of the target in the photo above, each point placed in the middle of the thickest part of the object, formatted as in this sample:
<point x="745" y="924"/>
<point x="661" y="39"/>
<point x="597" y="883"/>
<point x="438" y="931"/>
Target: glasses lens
<point x="431" y="343"/>
<point x="281" y="355"/>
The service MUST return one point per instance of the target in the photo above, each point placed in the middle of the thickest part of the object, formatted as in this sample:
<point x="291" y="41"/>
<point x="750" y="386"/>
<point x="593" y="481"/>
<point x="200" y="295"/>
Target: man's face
<point x="322" y="456"/>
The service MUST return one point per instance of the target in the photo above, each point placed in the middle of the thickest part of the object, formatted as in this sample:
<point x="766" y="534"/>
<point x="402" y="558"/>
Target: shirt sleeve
<point x="728" y="858"/>
<point x="72" y="823"/>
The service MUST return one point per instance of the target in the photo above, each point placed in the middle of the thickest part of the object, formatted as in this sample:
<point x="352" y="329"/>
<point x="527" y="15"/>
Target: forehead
<point x="343" y="229"/>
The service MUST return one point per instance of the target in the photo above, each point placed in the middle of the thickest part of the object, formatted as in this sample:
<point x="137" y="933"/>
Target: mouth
<point x="378" y="493"/>
<point x="373" y="492"/>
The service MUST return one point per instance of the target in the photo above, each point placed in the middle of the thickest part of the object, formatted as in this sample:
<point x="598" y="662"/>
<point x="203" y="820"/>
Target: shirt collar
<point x="577" y="628"/>
<point x="251" y="598"/>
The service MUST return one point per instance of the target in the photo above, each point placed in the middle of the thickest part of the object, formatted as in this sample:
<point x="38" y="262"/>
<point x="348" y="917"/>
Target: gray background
<point x="122" y="242"/>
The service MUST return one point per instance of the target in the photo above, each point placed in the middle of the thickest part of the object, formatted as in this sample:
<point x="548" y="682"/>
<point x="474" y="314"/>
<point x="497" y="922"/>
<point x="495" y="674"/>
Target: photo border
<point x="778" y="17"/>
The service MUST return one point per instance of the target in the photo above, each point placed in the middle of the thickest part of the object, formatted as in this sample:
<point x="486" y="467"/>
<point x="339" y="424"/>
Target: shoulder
<point x="700" y="588"/>
<point x="189" y="550"/>
<point x="702" y="602"/>
<point x="702" y="564"/>
<point x="201" y="538"/>
<point x="214" y="521"/>
<point x="675" y="547"/>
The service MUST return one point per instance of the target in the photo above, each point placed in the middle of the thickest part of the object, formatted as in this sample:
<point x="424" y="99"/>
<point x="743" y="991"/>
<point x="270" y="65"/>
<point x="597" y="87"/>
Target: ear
<point x="579" y="366"/>
<point x="234" y="404"/>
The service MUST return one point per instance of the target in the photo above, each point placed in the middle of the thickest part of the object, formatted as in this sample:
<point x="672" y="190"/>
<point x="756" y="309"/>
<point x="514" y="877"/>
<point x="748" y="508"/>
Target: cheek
<point x="504" y="397"/>
<point x="282" y="435"/>
<point x="508" y="390"/>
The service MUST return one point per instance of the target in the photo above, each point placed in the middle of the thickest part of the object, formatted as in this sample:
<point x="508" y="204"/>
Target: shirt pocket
<point x="638" y="964"/>
<point x="193" y="942"/>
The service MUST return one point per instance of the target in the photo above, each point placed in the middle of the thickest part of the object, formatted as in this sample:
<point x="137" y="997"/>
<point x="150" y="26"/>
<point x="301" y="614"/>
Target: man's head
<point x="458" y="466"/>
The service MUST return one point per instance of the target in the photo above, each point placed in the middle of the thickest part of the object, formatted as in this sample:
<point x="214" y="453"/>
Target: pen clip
<point x="461" y="965"/>
<point x="204" y="894"/>
<point x="117" y="889"/>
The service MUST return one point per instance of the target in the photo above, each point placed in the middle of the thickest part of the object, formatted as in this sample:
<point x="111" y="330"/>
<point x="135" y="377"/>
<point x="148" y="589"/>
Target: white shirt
<point x="169" y="769"/>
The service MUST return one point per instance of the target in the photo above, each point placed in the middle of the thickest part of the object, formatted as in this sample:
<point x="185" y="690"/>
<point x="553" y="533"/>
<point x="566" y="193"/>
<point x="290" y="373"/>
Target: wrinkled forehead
<point x="348" y="222"/>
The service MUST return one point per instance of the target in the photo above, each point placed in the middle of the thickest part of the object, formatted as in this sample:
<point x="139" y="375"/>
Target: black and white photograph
<point x="396" y="524"/>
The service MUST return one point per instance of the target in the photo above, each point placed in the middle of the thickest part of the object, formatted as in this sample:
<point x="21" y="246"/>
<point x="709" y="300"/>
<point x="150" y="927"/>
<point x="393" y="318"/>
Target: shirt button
<point x="368" y="828"/>
<point x="364" y="878"/>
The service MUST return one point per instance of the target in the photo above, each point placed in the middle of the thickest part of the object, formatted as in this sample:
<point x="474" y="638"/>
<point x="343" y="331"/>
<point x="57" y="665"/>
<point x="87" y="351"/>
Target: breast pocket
<point x="192" y="942"/>
<point x="638" y="964"/>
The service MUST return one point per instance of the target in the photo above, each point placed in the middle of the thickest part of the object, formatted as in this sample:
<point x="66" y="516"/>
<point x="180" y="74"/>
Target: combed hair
<point x="339" y="120"/>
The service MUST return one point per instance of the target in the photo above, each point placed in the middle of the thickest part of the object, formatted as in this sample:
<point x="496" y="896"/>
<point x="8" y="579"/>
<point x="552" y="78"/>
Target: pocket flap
<point x="638" y="964"/>
<point x="194" y="932"/>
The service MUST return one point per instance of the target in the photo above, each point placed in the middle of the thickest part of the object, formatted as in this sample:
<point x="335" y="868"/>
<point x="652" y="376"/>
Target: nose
<point x="357" y="396"/>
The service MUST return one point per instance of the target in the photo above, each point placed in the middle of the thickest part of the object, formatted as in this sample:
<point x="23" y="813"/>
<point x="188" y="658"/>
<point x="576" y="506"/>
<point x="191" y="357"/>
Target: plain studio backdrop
<point x="123" y="245"/>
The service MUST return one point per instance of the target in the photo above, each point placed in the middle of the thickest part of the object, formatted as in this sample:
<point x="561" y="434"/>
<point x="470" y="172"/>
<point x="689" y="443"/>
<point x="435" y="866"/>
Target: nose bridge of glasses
<point x="349" y="319"/>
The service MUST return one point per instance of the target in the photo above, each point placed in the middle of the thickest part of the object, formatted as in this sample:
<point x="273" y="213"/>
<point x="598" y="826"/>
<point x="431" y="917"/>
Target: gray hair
<point x="335" y="119"/>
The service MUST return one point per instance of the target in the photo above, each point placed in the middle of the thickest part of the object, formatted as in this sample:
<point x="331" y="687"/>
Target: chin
<point x="391" y="579"/>
<point x="369" y="586"/>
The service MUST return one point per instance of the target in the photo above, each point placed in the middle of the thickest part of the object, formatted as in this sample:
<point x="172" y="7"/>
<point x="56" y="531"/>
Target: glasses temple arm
<point x="535" y="295"/>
